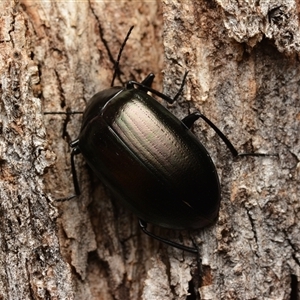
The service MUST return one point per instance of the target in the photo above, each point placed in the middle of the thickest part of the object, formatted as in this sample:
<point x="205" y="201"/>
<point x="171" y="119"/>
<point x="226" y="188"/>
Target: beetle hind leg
<point x="75" y="151"/>
<point x="143" y="226"/>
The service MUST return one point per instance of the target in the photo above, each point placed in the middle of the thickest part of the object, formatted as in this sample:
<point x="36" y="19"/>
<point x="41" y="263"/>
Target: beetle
<point x="149" y="159"/>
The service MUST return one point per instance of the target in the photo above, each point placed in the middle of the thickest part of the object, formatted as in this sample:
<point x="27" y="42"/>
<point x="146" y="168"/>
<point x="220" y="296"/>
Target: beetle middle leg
<point x="189" y="120"/>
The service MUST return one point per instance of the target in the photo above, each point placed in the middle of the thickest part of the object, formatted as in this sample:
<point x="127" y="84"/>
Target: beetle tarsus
<point x="143" y="226"/>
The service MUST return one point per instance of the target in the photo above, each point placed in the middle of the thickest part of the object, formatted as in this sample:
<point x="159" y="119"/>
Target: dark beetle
<point x="149" y="159"/>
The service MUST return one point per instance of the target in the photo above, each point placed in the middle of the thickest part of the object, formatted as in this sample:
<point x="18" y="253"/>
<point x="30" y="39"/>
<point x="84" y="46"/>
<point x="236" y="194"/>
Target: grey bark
<point x="243" y="62"/>
<point x="32" y="266"/>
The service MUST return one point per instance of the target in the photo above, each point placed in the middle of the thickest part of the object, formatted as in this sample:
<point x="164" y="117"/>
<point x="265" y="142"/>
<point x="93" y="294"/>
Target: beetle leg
<point x="130" y="85"/>
<point x="66" y="199"/>
<point x="148" y="80"/>
<point x="190" y="119"/>
<point x="219" y="132"/>
<point x="75" y="151"/>
<point x="143" y="226"/>
<point x="145" y="85"/>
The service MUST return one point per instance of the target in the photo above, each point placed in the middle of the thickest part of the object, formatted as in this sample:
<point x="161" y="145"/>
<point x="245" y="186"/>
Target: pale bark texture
<point x="244" y="74"/>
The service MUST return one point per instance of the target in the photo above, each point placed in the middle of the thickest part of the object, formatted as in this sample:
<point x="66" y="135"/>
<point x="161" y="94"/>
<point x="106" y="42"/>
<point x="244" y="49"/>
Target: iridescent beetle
<point x="149" y="159"/>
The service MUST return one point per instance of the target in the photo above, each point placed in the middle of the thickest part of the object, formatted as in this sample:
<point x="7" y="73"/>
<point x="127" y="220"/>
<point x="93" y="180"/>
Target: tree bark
<point x="244" y="74"/>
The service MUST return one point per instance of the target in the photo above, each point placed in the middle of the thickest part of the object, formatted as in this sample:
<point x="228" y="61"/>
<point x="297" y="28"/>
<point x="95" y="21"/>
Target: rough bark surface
<point x="32" y="266"/>
<point x="245" y="77"/>
<point x="244" y="73"/>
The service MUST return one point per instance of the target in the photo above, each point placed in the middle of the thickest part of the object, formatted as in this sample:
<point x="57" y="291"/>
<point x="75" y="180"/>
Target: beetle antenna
<point x="181" y="86"/>
<point x="117" y="63"/>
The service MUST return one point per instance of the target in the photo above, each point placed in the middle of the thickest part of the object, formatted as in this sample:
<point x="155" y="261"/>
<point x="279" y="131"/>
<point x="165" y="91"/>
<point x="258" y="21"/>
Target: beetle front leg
<point x="148" y="80"/>
<point x="143" y="226"/>
<point x="145" y="85"/>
